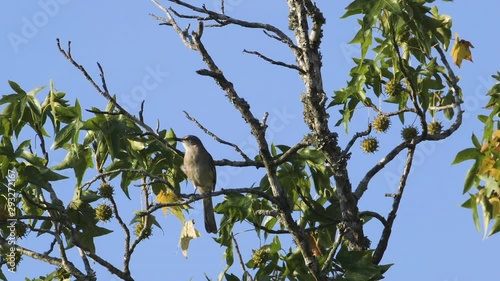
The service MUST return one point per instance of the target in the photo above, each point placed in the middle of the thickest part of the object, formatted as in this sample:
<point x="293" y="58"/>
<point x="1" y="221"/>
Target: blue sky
<point x="433" y="237"/>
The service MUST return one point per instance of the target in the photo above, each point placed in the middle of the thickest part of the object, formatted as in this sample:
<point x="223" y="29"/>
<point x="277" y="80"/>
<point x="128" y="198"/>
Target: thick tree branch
<point x="316" y="117"/>
<point x="70" y="267"/>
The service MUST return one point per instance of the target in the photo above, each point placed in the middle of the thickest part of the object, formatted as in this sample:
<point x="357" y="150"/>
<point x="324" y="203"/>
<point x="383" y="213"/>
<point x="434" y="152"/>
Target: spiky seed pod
<point x="103" y="212"/>
<point x="369" y="144"/>
<point x="409" y="133"/>
<point x="435" y="128"/>
<point x="20" y="228"/>
<point x="393" y="88"/>
<point x="138" y="228"/>
<point x="260" y="257"/>
<point x="381" y="124"/>
<point x="106" y="190"/>
<point x="10" y="258"/>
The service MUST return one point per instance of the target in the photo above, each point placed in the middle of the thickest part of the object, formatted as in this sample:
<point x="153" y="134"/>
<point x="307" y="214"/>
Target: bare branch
<point x="397" y="112"/>
<point x="124" y="226"/>
<point x="292" y="151"/>
<point x="105" y="93"/>
<point x="240" y="258"/>
<point x="331" y="253"/>
<point x="142" y="233"/>
<point x="229" y="20"/>
<point x="280" y="63"/>
<point x="70" y="267"/>
<point x="355" y="137"/>
<point x="215" y="137"/>
<point x="386" y="233"/>
<point x="86" y="263"/>
<point x="363" y="184"/>
<point x="374" y="215"/>
<point x="190" y="198"/>
<point x="271" y="213"/>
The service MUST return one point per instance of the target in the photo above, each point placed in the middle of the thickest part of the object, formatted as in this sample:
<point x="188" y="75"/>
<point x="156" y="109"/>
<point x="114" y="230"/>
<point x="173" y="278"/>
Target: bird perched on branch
<point x="200" y="169"/>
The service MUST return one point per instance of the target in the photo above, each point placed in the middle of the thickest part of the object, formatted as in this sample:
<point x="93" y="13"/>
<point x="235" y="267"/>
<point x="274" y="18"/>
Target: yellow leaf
<point x="486" y="166"/>
<point x="188" y="233"/>
<point x="496" y="140"/>
<point x="461" y="51"/>
<point x="169" y="197"/>
<point x="485" y="147"/>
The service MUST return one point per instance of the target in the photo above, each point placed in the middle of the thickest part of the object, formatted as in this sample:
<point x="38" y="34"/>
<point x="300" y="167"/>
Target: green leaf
<point x="2" y="276"/>
<point x="475" y="213"/>
<point x="466" y="154"/>
<point x="487" y="212"/>
<point x="483" y="118"/>
<point x="231" y="277"/>
<point x="276" y="245"/>
<point x="16" y="88"/>
<point x="89" y="196"/>
<point x="470" y="177"/>
<point x="64" y="135"/>
<point x="475" y="141"/>
<point x="79" y="158"/>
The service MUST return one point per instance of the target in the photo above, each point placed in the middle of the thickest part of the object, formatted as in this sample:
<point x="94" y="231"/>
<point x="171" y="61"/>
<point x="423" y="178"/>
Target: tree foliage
<point x="482" y="179"/>
<point x="307" y="193"/>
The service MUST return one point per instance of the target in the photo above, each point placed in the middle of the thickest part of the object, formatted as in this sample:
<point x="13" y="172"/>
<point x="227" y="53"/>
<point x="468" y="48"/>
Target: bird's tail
<point x="208" y="207"/>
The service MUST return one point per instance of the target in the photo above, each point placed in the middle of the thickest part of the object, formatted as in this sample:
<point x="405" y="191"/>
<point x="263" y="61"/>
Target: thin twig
<point x="215" y="137"/>
<point x="146" y="226"/>
<point x="363" y="184"/>
<point x="331" y="253"/>
<point x="374" y="215"/>
<point x="292" y="151"/>
<point x="125" y="228"/>
<point x="355" y="137"/>
<point x="86" y="263"/>
<point x="105" y="93"/>
<point x="386" y="233"/>
<point x="240" y="258"/>
<point x="279" y="63"/>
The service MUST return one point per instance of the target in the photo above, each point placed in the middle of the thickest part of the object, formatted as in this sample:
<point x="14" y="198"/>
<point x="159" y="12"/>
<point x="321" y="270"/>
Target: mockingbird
<point x="200" y="169"/>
